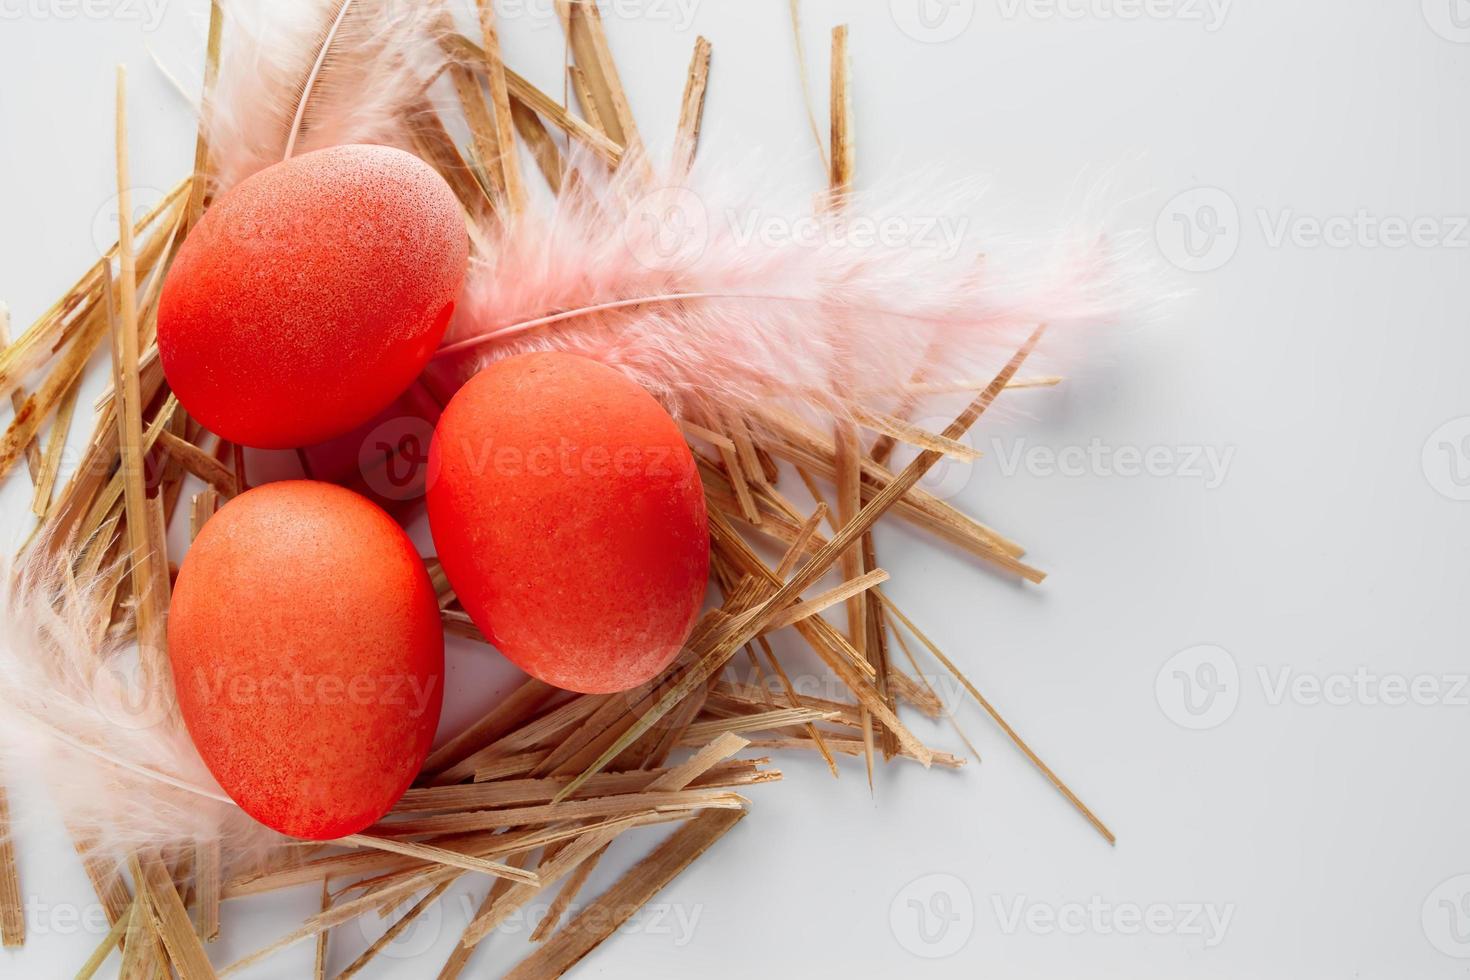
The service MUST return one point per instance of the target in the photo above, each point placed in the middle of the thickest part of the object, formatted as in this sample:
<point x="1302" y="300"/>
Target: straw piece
<point x="534" y="99"/>
<point x="469" y="53"/>
<point x="207" y="861"/>
<point x="38" y="405"/>
<point x="588" y="38"/>
<point x="55" y="445"/>
<point x="105" y="877"/>
<point x="842" y="593"/>
<point x="700" y="763"/>
<point x="511" y="765"/>
<point x="506" y="161"/>
<point x="139" y="945"/>
<point x="763" y="721"/>
<point x="602" y="806"/>
<point x="12" y="909"/>
<point x="839" y="171"/>
<point x="338" y="914"/>
<point x="500" y="720"/>
<point x="691" y="108"/>
<point x="926" y="690"/>
<point x="627" y="895"/>
<point x="437" y="146"/>
<point x="543" y="148"/>
<point x="796" y="701"/>
<point x="897" y="428"/>
<point x="201" y="142"/>
<point x="325" y="935"/>
<point x="394" y="931"/>
<point x="202" y="508"/>
<point x="168" y="917"/>
<point x="800" y="444"/>
<point x="462" y="953"/>
<point x="147" y="556"/>
<point x="564" y="898"/>
<point x="538" y="732"/>
<point x="854" y="747"/>
<point x="915" y="692"/>
<point x="708" y="435"/>
<point x="18" y="400"/>
<point x="550" y="872"/>
<point x="199" y="463"/>
<point x="510" y="792"/>
<point x="486" y="148"/>
<point x="1011" y="733"/>
<point x="104" y="949"/>
<point x="438" y="855"/>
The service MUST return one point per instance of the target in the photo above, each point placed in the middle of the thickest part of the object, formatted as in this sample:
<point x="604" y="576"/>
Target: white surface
<point x="1325" y="838"/>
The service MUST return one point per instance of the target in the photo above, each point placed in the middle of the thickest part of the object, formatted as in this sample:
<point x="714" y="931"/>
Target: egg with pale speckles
<point x="311" y="295"/>
<point x="308" y="657"/>
<point x="568" y="514"/>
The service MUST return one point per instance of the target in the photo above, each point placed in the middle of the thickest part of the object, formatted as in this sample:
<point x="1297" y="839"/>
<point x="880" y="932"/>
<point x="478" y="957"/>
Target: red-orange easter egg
<point x="308" y="656"/>
<point x="311" y="295"/>
<point x="569" y="517"/>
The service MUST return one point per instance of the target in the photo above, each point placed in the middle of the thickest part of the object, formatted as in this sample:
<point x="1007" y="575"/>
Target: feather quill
<point x="302" y="75"/>
<point x="705" y="291"/>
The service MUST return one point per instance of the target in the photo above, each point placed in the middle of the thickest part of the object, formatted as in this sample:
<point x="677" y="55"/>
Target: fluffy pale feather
<point x="711" y="290"/>
<point x="309" y="74"/>
<point x="119" y="764"/>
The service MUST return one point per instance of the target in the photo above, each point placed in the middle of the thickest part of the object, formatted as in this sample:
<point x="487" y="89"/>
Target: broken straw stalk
<point x="535" y="791"/>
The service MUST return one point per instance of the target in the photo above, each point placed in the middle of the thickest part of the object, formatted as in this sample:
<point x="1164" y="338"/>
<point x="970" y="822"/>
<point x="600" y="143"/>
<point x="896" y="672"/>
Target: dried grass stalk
<point x="12" y="908"/>
<point x="1011" y="733"/>
<point x="169" y="919"/>
<point x="207" y="861"/>
<point x="691" y="108"/>
<point x="629" y="894"/>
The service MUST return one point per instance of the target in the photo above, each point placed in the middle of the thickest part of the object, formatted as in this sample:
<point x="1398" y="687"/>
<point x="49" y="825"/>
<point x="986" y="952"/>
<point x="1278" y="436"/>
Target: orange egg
<point x="569" y="517"/>
<point x="311" y="295"/>
<point x="308" y="656"/>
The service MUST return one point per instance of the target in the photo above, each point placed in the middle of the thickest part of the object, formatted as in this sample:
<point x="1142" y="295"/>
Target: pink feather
<point x="677" y="289"/>
<point x="301" y="75"/>
<point x="117" y="760"/>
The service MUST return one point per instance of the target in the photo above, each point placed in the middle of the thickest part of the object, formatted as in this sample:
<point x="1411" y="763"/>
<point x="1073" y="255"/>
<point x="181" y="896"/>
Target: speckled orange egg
<point x="308" y="656"/>
<point x="569" y="516"/>
<point x="311" y="295"/>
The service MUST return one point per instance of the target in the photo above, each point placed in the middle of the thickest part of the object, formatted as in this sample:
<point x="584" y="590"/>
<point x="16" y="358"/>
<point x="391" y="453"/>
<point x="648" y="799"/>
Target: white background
<point x="1325" y="838"/>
